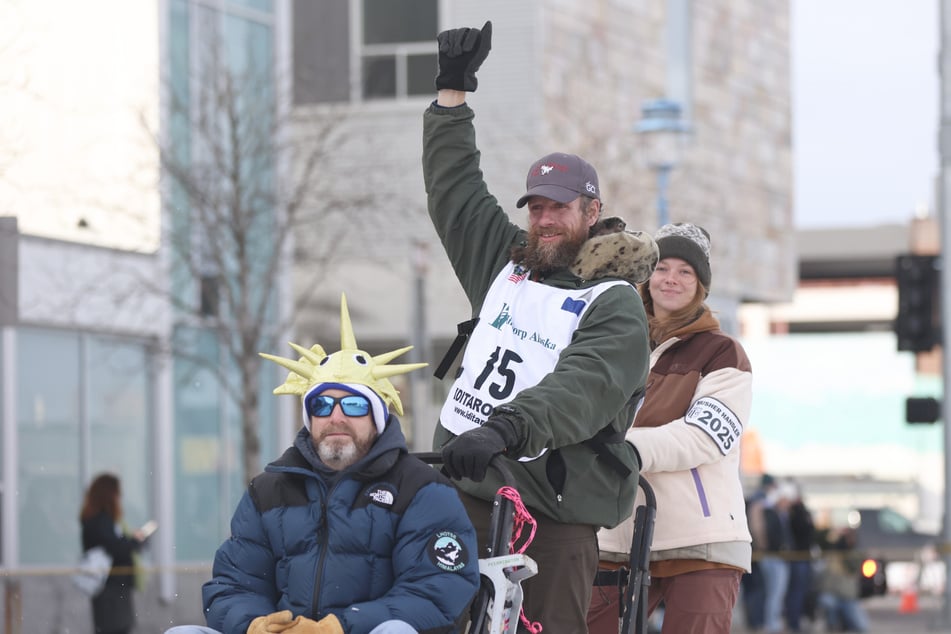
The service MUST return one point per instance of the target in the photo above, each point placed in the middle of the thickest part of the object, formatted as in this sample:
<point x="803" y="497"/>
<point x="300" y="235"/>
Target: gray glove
<point x="461" y="53"/>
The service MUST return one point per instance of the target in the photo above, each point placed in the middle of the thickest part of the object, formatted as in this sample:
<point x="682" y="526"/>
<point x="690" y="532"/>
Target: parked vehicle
<point x="887" y="534"/>
<point x="884" y="535"/>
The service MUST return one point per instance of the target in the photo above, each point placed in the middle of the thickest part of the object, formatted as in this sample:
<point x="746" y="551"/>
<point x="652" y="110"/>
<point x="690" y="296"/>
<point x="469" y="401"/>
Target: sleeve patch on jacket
<point x="717" y="420"/>
<point x="447" y="551"/>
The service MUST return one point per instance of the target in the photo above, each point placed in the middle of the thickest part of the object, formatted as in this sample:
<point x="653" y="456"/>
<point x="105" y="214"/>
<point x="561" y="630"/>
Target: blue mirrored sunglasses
<point x="323" y="405"/>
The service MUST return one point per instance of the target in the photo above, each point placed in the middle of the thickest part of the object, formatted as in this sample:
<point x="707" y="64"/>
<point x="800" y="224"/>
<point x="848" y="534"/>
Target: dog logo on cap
<point x="545" y="169"/>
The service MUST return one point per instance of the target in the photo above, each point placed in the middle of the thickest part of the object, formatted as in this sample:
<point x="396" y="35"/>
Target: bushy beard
<point x="342" y="451"/>
<point x="545" y="258"/>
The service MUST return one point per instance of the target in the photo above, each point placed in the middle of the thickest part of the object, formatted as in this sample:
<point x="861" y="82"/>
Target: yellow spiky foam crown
<point x="348" y="365"/>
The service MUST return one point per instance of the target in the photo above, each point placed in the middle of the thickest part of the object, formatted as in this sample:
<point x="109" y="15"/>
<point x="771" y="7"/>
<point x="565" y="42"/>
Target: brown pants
<point x="604" y="613"/>
<point x="698" y="602"/>
<point x="567" y="556"/>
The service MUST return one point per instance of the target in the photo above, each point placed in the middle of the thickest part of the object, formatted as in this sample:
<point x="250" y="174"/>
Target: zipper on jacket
<point x="322" y="545"/>
<point x="323" y="538"/>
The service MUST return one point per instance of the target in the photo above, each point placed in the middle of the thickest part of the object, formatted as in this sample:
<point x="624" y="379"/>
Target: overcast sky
<point x="865" y="110"/>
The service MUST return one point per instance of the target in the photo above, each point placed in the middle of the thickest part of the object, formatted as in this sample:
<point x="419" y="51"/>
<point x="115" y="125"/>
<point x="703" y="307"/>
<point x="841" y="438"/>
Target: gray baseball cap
<point x="561" y="177"/>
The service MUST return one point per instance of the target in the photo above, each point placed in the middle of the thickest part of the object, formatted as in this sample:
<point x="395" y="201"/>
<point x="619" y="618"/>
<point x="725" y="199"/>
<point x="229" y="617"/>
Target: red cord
<point x="520" y="518"/>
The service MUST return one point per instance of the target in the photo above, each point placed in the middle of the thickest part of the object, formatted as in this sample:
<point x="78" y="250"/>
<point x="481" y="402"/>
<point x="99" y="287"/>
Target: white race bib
<point x="523" y="328"/>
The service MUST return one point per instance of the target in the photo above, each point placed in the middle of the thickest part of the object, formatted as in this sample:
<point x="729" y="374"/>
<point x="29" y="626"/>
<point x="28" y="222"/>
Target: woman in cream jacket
<point x="687" y="435"/>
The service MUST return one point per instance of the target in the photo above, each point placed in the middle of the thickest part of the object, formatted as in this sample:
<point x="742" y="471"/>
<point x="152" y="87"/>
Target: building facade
<point x="94" y="373"/>
<point x="566" y="75"/>
<point x="571" y="76"/>
<point x="114" y="348"/>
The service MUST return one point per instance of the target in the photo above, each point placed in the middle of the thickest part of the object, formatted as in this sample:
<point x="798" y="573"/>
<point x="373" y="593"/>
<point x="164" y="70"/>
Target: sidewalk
<point x="885" y="617"/>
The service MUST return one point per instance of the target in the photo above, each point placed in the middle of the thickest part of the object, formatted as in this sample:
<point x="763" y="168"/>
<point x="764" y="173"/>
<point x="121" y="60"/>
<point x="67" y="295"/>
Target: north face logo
<point x="381" y="496"/>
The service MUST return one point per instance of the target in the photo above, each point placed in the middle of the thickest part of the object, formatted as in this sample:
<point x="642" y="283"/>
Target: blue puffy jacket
<point x="386" y="538"/>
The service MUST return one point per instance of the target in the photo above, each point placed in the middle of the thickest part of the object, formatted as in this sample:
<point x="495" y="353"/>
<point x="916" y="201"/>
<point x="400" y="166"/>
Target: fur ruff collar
<point x="611" y="251"/>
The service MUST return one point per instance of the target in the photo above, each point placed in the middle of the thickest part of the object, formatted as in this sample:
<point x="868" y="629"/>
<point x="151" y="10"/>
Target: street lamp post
<point x="663" y="132"/>
<point x="944" y="213"/>
<point x="422" y="421"/>
<point x="663" y="177"/>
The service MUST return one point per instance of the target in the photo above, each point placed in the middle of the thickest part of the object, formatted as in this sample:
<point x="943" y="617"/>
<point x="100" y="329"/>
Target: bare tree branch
<point x="233" y="214"/>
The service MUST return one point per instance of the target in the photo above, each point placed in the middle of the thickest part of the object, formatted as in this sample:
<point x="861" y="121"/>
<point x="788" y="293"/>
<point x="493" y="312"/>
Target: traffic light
<point x="922" y="409"/>
<point x="918" y="322"/>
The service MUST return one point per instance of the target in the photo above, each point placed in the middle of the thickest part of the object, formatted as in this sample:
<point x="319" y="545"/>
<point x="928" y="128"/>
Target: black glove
<point x="468" y="455"/>
<point x="461" y="52"/>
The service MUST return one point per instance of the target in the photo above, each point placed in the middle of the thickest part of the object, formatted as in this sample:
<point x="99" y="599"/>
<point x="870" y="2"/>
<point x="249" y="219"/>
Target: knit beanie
<point x="690" y="243"/>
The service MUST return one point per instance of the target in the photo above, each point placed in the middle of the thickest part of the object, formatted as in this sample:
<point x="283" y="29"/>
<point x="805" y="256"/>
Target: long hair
<point x="102" y="496"/>
<point x="661" y="329"/>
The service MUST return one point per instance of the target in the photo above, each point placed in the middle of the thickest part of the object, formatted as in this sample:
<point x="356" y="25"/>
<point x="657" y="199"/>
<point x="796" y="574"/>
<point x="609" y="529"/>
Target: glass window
<point x="198" y="530"/>
<point x="420" y="73"/>
<point x="398" y="21"/>
<point x="891" y="521"/>
<point x="70" y="387"/>
<point x="379" y="77"/>
<point x="49" y="398"/>
<point x="209" y="476"/>
<point x="395" y="49"/>
<point x="260" y="5"/>
<point x="271" y="377"/>
<point x="249" y="47"/>
<point x="120" y="420"/>
<point x="398" y="57"/>
<point x="209" y="468"/>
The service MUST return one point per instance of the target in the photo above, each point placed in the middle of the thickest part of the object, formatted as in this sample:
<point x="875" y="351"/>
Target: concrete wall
<point x="84" y="287"/>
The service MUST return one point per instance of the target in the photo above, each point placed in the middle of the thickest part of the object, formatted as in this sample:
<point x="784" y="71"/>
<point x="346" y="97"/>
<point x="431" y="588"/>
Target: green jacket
<point x="598" y="378"/>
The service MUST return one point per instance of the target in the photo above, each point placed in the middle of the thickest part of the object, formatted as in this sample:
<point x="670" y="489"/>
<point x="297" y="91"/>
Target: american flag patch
<point x="573" y="305"/>
<point x="518" y="274"/>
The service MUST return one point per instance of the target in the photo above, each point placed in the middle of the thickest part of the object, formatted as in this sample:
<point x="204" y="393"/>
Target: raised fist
<point x="461" y="53"/>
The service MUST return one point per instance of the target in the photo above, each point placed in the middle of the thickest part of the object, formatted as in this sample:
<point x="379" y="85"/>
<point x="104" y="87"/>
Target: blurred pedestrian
<point x="775" y="560"/>
<point x="803" y="535"/>
<point x="687" y="435"/>
<point x="838" y="600"/>
<point x="345" y="532"/>
<point x="113" y="610"/>
<point x="753" y="587"/>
